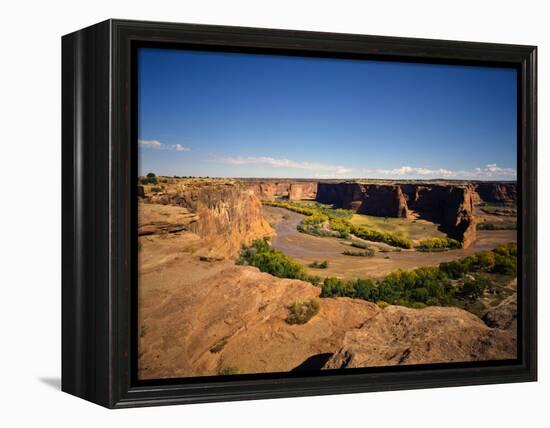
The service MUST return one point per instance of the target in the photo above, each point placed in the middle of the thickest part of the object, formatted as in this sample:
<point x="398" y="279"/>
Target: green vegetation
<point x="270" y="260"/>
<point x="498" y="209"/>
<point x="301" y="311"/>
<point x="156" y="189"/>
<point x="438" y="244"/>
<point x="149" y="179"/>
<point x="319" y="265"/>
<point x="498" y="225"/>
<point x="359" y="244"/>
<point x="456" y="283"/>
<point x="367" y="253"/>
<point x="403" y="227"/>
<point x="376" y="236"/>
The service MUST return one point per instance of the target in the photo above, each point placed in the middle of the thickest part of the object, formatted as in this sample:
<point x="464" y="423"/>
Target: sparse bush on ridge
<point x="301" y="311"/>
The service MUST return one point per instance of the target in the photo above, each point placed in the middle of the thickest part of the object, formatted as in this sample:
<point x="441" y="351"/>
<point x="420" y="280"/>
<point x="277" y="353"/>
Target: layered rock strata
<point x="225" y="216"/>
<point x="293" y="190"/>
<point x="399" y="335"/>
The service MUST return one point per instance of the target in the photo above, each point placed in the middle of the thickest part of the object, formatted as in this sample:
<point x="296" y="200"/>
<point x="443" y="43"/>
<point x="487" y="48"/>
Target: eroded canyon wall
<point x="383" y="200"/>
<point x="450" y="206"/>
<point x="493" y="192"/>
<point x="293" y="190"/>
<point x="227" y="216"/>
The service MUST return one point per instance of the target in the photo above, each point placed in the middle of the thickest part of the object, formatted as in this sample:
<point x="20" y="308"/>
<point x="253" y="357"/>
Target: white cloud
<point x="157" y="145"/>
<point x="488" y="171"/>
<point x="410" y="170"/>
<point x="284" y="163"/>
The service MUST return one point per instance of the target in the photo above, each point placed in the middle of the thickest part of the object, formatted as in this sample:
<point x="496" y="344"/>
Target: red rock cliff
<point x="384" y="200"/>
<point x="228" y="216"/>
<point x="293" y="190"/>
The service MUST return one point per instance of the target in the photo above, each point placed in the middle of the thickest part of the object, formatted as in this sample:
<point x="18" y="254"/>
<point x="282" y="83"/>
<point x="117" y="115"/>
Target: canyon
<point x="447" y="203"/>
<point x="200" y="314"/>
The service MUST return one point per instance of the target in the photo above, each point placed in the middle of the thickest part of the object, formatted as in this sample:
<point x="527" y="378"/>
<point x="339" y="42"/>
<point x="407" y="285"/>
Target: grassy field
<point x="405" y="228"/>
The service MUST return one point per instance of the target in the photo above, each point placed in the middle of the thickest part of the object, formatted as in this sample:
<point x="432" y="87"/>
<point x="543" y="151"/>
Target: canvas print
<point x="305" y="214"/>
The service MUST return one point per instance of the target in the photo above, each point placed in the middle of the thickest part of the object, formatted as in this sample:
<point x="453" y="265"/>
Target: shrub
<point x="359" y="244"/>
<point x="301" y="311"/>
<point x="319" y="265"/>
<point x="149" y="179"/>
<point x="472" y="289"/>
<point x="155" y="189"/>
<point x="438" y="244"/>
<point x="367" y="253"/>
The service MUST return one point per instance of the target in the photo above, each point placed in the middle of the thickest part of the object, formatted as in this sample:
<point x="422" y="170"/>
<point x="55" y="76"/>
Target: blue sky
<point x="246" y="115"/>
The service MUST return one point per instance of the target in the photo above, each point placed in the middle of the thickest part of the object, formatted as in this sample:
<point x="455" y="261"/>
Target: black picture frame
<point x="98" y="214"/>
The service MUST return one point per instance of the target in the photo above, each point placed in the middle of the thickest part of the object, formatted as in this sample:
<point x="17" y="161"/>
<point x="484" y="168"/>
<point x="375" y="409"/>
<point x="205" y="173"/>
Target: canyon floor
<point x="200" y="314"/>
<point x="306" y="249"/>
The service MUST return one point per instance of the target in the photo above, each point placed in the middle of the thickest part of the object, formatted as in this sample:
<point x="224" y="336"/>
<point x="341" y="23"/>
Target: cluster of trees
<point x="501" y="260"/>
<point x="385" y="237"/>
<point x="150" y="178"/>
<point x="438" y="244"/>
<point x="261" y="255"/>
<point x="416" y="288"/>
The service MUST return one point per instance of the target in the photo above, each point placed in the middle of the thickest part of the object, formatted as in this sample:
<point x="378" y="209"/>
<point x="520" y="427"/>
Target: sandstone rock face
<point x="450" y="206"/>
<point x="293" y="190"/>
<point x="497" y="192"/>
<point x="399" y="335"/>
<point x="384" y="200"/>
<point x="198" y="318"/>
<point x="227" y="217"/>
<point x="160" y="219"/>
<point x="505" y="315"/>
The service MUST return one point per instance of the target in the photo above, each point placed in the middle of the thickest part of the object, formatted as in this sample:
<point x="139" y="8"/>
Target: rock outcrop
<point x="494" y="192"/>
<point x="505" y="315"/>
<point x="399" y="335"/>
<point x="293" y="190"/>
<point x="226" y="216"/>
<point x="198" y="319"/>
<point x="384" y="200"/>
<point x="450" y="206"/>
